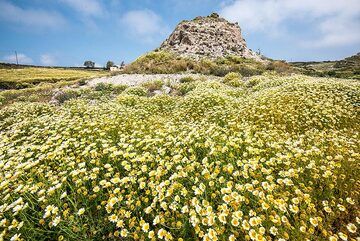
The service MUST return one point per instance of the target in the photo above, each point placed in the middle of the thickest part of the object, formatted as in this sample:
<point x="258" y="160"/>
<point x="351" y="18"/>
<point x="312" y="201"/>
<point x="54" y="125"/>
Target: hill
<point x="346" y="68"/>
<point x="208" y="37"/>
<point x="206" y="45"/>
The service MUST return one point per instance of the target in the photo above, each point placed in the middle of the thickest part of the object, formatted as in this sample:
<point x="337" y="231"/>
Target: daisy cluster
<point x="278" y="160"/>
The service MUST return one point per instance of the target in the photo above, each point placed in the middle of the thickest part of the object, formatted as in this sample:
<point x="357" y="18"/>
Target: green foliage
<point x="233" y="79"/>
<point x="184" y="88"/>
<point x="186" y="79"/>
<point x="82" y="82"/>
<point x="136" y="90"/>
<point x="89" y="64"/>
<point x="153" y="85"/>
<point x="280" y="67"/>
<point x="104" y="87"/>
<point x="109" y="64"/>
<point x="164" y="62"/>
<point x="107" y="87"/>
<point x="67" y="94"/>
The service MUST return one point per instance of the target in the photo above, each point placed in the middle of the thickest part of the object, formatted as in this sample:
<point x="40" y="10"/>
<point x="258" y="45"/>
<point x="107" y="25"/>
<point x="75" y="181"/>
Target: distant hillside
<point x="346" y="68"/>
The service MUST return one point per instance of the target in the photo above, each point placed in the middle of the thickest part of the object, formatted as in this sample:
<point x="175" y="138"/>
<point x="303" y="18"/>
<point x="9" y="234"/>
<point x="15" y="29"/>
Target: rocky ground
<point x="138" y="79"/>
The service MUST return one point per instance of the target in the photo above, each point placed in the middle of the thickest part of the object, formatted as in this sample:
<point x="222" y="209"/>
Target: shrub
<point x="185" y="88"/>
<point x="82" y="82"/>
<point x="104" y="87"/>
<point x="233" y="79"/>
<point x="117" y="89"/>
<point x="280" y="67"/>
<point x="136" y="90"/>
<point x="186" y="79"/>
<point x="127" y="100"/>
<point x="153" y="85"/>
<point x="65" y="95"/>
<point x="2" y="99"/>
<point x="253" y="82"/>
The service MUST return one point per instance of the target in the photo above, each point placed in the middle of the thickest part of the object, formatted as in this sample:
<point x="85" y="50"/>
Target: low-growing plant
<point x="275" y="162"/>
<point x="66" y="94"/>
<point x="233" y="79"/>
<point x="104" y="87"/>
<point x="280" y="67"/>
<point x="136" y="90"/>
<point x="187" y="79"/>
<point x="82" y="82"/>
<point x="119" y="88"/>
<point x="153" y="85"/>
<point x="185" y="88"/>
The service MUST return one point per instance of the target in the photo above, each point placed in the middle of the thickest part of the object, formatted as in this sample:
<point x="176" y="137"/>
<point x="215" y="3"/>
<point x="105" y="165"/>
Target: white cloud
<point x="37" y="18"/>
<point x="47" y="60"/>
<point x="86" y="7"/>
<point x="144" y="24"/>
<point x="22" y="59"/>
<point x="335" y="22"/>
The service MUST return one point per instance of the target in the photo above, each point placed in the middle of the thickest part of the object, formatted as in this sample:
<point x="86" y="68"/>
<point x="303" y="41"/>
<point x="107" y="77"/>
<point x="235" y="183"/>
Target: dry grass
<point x="29" y="77"/>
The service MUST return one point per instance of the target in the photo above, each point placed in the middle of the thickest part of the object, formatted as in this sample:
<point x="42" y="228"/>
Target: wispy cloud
<point x="144" y="24"/>
<point x="22" y="59"/>
<point x="48" y="60"/>
<point x="36" y="18"/>
<point x="336" y="23"/>
<point x="88" y="8"/>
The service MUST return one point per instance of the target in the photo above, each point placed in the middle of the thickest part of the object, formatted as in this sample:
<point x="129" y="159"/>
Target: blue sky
<point x="67" y="32"/>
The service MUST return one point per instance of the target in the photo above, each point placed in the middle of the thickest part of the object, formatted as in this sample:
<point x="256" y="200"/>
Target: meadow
<point x="23" y="82"/>
<point x="270" y="158"/>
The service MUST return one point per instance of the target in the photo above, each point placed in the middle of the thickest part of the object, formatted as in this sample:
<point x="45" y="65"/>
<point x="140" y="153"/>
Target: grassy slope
<point x="38" y="83"/>
<point x="165" y="62"/>
<point x="346" y="68"/>
<point x="276" y="158"/>
<point x="20" y="78"/>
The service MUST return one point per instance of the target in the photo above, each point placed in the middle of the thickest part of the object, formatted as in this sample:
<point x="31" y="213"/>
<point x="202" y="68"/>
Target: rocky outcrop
<point x="211" y="37"/>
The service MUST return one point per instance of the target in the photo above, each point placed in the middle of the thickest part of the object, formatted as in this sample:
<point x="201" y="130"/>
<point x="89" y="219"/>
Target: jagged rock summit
<point x="208" y="37"/>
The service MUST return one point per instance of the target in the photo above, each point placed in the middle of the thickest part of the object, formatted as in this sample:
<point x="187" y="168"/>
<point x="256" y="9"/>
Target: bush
<point x="153" y="85"/>
<point x="186" y="79"/>
<point x="65" y="95"/>
<point x="233" y="79"/>
<point x="117" y="89"/>
<point x="2" y="99"/>
<point x="82" y="82"/>
<point x="185" y="88"/>
<point x="127" y="100"/>
<point x="253" y="82"/>
<point x="104" y="87"/>
<point x="136" y="90"/>
<point x="280" y="67"/>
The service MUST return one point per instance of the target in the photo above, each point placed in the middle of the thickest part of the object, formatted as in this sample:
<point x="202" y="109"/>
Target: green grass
<point x="165" y="62"/>
<point x="346" y="68"/>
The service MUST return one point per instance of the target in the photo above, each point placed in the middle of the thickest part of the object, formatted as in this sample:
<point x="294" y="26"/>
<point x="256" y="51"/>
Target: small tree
<point x="89" y="64"/>
<point x="109" y="64"/>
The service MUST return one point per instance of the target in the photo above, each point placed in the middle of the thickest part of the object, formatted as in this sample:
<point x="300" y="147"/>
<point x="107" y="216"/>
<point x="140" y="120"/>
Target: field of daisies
<point x="273" y="158"/>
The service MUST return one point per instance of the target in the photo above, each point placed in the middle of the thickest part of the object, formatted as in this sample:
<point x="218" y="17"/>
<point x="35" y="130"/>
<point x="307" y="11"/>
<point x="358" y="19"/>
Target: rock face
<point x="209" y="37"/>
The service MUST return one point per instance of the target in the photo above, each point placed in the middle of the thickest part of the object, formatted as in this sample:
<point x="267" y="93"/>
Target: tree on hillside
<point x="89" y="64"/>
<point x="109" y="64"/>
